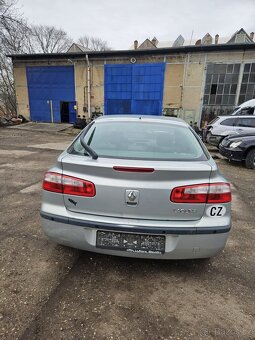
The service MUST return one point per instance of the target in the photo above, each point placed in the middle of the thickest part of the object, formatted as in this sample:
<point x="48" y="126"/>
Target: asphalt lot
<point x="54" y="292"/>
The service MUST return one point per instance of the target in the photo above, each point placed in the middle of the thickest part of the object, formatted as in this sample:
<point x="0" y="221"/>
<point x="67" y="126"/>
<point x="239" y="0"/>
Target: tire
<point x="250" y="159"/>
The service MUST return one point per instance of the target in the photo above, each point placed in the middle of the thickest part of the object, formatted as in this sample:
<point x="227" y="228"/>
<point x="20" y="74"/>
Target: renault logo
<point x="132" y="197"/>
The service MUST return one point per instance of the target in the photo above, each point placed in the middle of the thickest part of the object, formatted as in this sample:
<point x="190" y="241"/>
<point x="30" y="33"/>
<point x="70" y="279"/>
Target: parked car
<point x="138" y="187"/>
<point x="239" y="148"/>
<point x="224" y="126"/>
<point x="245" y="109"/>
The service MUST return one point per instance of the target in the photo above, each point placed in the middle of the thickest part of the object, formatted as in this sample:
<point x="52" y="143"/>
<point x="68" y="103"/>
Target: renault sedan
<point x="139" y="187"/>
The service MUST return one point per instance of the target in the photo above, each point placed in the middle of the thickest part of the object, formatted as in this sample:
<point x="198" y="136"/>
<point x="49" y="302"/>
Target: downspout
<point x="74" y="74"/>
<point x="88" y="85"/>
<point x="239" y="83"/>
<point x="199" y="120"/>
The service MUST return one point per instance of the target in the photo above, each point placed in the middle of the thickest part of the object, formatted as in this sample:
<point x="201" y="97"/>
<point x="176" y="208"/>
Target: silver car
<point x="139" y="187"/>
<point x="224" y="126"/>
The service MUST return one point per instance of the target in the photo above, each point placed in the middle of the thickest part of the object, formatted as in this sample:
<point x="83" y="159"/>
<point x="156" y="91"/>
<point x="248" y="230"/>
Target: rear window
<point x="213" y="121"/>
<point x="229" y="122"/>
<point x="141" y="140"/>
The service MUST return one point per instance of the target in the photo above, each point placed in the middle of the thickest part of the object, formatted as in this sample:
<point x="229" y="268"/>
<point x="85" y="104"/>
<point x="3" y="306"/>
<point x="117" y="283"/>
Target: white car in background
<point x="224" y="126"/>
<point x="245" y="109"/>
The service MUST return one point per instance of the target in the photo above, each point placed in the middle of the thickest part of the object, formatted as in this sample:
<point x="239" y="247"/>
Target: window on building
<point x="213" y="89"/>
<point x="221" y="84"/>
<point x="240" y="38"/>
<point x="247" y="90"/>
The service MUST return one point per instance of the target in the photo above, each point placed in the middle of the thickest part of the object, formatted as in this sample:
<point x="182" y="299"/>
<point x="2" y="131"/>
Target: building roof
<point x="188" y="42"/>
<point x="147" y="44"/>
<point x="75" y="48"/>
<point x="134" y="53"/>
<point x="239" y="36"/>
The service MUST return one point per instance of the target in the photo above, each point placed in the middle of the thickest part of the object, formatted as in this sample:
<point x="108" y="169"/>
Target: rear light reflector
<point x="202" y="193"/>
<point x="53" y="182"/>
<point x="132" y="169"/>
<point x="68" y="185"/>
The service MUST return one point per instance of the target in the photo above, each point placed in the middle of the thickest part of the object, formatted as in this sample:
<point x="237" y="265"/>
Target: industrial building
<point x="194" y="81"/>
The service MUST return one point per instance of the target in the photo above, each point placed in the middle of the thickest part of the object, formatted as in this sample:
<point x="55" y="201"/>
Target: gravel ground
<point x="54" y="292"/>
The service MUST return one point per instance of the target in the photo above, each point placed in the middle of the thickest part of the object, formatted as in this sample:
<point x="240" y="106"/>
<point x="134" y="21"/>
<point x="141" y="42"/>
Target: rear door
<point x="152" y="189"/>
<point x="227" y="126"/>
<point x="134" y="88"/>
<point x="72" y="112"/>
<point x="245" y="125"/>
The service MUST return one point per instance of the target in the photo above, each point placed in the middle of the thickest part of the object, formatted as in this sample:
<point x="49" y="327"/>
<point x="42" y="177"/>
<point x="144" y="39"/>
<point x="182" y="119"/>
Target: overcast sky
<point x="120" y="22"/>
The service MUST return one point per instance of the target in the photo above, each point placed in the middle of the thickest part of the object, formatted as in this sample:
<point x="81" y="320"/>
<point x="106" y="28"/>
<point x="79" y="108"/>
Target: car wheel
<point x="250" y="159"/>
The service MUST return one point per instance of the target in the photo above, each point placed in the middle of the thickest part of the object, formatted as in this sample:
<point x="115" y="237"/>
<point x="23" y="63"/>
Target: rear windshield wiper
<point x="89" y="150"/>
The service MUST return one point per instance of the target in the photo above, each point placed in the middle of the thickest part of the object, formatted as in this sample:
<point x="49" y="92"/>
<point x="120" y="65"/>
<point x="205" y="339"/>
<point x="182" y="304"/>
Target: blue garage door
<point x="134" y="89"/>
<point x="49" y="83"/>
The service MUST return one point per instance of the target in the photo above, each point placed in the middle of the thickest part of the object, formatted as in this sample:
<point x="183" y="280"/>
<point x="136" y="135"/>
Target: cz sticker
<point x="216" y="211"/>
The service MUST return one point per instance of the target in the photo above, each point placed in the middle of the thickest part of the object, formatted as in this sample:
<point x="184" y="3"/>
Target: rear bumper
<point x="181" y="242"/>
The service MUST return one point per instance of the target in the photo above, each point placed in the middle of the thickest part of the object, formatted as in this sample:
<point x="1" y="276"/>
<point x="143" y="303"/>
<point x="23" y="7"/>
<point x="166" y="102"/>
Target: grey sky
<point x="121" y="22"/>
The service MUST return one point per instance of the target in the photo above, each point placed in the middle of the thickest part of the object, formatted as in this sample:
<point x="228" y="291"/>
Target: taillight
<point x="219" y="193"/>
<point x="202" y="193"/>
<point x="68" y="185"/>
<point x="78" y="187"/>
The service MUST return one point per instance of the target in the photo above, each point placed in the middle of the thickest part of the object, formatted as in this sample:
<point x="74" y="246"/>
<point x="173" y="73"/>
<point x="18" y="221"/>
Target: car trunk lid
<point x="116" y="188"/>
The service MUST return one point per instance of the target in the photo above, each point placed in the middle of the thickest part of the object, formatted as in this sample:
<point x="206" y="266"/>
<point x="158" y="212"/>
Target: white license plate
<point x="137" y="243"/>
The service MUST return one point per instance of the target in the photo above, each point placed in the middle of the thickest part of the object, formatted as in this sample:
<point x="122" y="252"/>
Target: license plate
<point x="136" y="243"/>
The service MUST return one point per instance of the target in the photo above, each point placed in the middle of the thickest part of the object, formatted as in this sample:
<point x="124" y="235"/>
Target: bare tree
<point x="93" y="43"/>
<point x="17" y="37"/>
<point x="48" y="39"/>
<point x="14" y="34"/>
<point x="7" y="91"/>
<point x="14" y="31"/>
<point x="8" y="12"/>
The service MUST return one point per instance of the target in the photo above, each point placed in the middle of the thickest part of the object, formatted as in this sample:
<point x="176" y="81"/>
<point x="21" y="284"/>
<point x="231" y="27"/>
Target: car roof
<point x="249" y="103"/>
<point x="237" y="117"/>
<point x="144" y="118"/>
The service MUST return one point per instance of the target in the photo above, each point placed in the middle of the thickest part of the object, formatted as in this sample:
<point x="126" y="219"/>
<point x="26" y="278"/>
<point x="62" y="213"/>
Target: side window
<point x="246" y="122"/>
<point x="246" y="111"/>
<point x="228" y="122"/>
